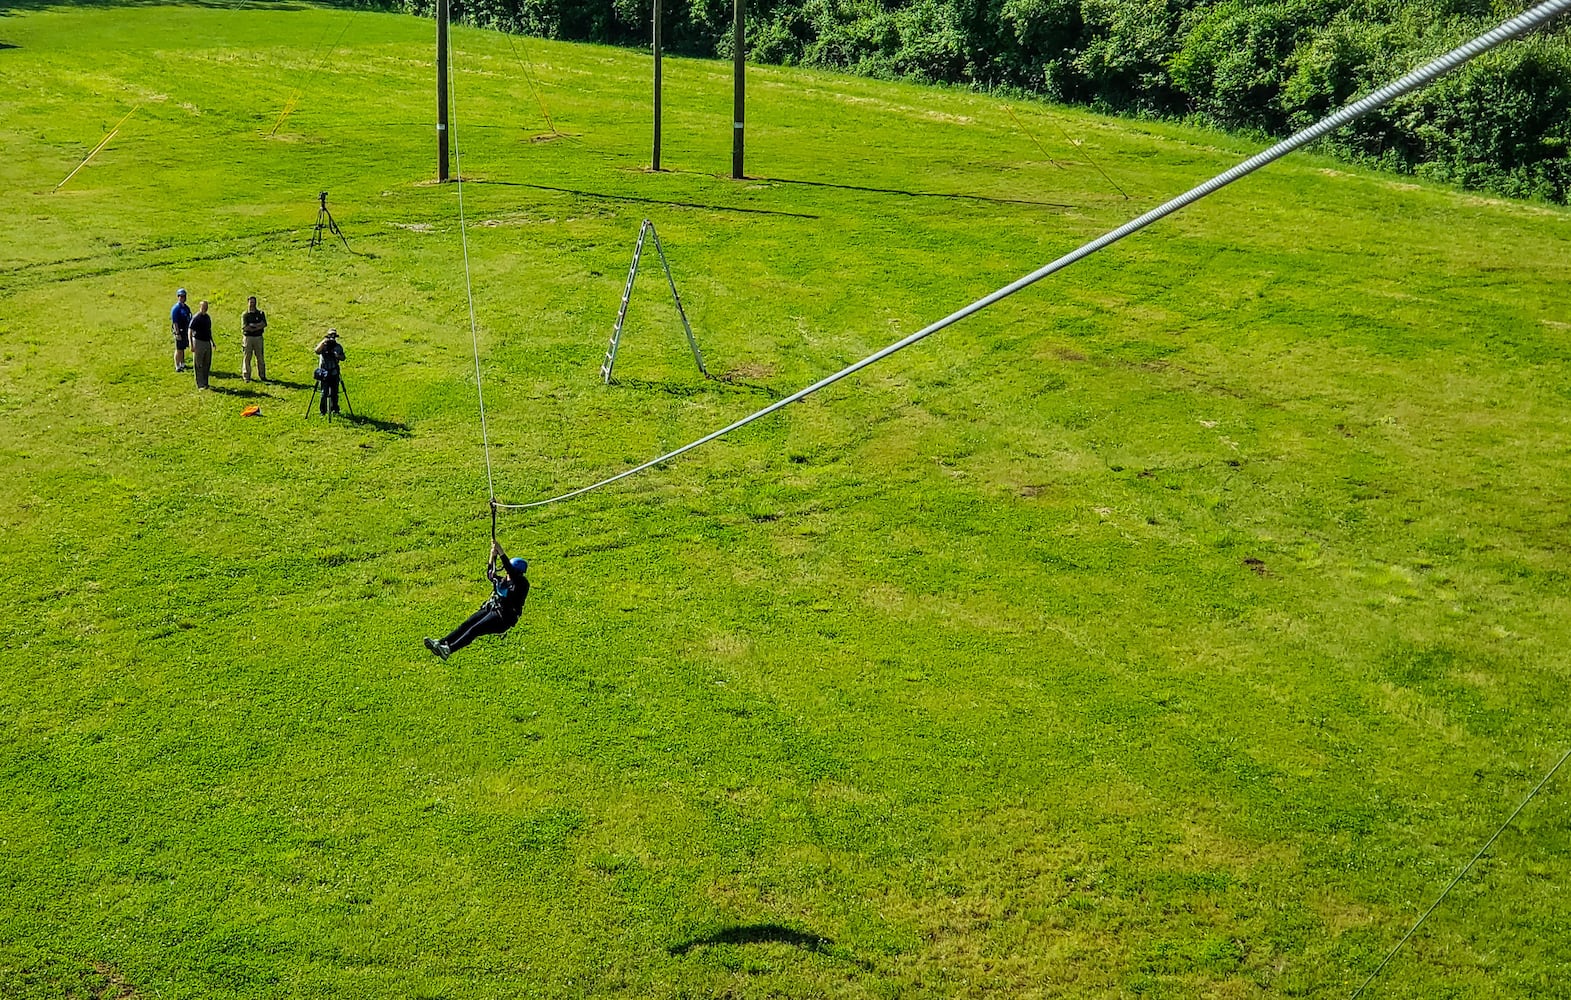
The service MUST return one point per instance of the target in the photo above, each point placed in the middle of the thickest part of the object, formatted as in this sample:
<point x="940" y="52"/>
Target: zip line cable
<point x="469" y="288"/>
<point x="1425" y="74"/>
<point x="1465" y="869"/>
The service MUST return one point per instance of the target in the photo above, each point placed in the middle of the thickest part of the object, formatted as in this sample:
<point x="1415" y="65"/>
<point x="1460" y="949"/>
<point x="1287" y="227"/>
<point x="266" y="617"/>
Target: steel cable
<point x="469" y="288"/>
<point x="1420" y="77"/>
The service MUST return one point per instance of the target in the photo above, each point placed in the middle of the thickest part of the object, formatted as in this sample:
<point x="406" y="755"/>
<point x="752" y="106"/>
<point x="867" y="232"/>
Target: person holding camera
<point x="510" y="585"/>
<point x="331" y="353"/>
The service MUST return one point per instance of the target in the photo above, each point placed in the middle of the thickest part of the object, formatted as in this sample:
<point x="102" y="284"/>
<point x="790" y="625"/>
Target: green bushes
<point x="1268" y="66"/>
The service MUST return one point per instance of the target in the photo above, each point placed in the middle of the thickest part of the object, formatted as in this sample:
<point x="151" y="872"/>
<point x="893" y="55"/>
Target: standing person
<point x="331" y="352"/>
<point x="202" y="343"/>
<point x="509" y="586"/>
<point x="180" y="325"/>
<point x="252" y="322"/>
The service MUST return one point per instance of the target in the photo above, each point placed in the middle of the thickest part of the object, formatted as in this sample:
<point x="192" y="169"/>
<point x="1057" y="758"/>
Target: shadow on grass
<point x="915" y="194"/>
<point x="713" y="383"/>
<point x="649" y="201"/>
<point x="771" y="934"/>
<point x="393" y="427"/>
<point x="242" y="393"/>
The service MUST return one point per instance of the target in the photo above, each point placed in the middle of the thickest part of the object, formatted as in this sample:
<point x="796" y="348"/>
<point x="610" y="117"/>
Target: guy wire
<point x="1430" y="71"/>
<point x="1029" y="135"/>
<point x="529" y="78"/>
<point x="1459" y="875"/>
<point x="105" y="141"/>
<point x="101" y="144"/>
<point x="1081" y="150"/>
<point x="311" y="71"/>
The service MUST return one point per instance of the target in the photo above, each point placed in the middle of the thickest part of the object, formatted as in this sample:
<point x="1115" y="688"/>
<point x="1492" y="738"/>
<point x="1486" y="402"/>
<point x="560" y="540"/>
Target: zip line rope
<point x="1465" y="869"/>
<point x="1425" y="74"/>
<point x="469" y="288"/>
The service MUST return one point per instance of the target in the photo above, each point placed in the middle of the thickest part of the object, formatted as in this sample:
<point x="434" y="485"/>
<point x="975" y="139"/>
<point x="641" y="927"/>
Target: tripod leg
<point x="344" y="388"/>
<point x="312" y="404"/>
<point x="332" y="227"/>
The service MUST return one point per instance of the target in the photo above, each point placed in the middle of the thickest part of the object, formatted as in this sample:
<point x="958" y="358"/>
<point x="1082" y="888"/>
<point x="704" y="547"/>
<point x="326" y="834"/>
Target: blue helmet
<point x="521" y="565"/>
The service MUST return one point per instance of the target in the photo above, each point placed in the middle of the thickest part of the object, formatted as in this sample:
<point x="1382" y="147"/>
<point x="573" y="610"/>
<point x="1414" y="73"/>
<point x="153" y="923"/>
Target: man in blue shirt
<point x="180" y="325"/>
<point x="510" y="585"/>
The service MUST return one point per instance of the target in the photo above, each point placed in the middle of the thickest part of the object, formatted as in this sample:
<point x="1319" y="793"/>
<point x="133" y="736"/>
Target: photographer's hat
<point x="333" y="334"/>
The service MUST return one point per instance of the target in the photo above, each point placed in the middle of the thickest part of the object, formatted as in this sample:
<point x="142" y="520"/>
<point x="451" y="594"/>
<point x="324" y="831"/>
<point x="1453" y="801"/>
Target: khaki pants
<point x="203" y="349"/>
<point x="252" y="346"/>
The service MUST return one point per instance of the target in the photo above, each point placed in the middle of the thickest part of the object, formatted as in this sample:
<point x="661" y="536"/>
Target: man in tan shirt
<point x="252" y="323"/>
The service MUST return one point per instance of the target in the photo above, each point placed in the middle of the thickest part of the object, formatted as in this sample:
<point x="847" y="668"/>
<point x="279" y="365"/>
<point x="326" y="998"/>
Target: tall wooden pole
<point x="739" y="88"/>
<point x="441" y="90"/>
<point x="655" y="161"/>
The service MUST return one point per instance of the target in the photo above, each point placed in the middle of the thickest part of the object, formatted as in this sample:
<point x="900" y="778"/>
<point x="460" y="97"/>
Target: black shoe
<point x="439" y="648"/>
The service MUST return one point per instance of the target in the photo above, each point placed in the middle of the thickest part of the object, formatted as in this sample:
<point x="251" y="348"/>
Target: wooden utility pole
<point x="441" y="90"/>
<point x="654" y="163"/>
<point x="739" y="88"/>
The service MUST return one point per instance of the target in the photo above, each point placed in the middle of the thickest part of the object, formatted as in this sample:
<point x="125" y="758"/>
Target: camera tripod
<point x="341" y="389"/>
<point x="324" y="220"/>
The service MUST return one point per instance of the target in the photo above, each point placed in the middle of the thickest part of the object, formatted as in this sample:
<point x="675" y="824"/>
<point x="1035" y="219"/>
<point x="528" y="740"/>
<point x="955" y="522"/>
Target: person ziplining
<point x="501" y="611"/>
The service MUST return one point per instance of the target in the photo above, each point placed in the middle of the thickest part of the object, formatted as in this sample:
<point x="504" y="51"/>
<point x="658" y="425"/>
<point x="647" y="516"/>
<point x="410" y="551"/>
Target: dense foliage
<point x="1502" y="124"/>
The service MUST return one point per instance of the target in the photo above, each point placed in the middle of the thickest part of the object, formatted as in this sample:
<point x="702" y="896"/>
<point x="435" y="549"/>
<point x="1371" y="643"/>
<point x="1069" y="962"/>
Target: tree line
<point x="1264" y="67"/>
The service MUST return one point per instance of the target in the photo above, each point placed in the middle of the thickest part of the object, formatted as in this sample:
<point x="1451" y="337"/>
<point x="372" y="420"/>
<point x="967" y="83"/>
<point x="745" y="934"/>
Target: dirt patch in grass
<point x="114" y="985"/>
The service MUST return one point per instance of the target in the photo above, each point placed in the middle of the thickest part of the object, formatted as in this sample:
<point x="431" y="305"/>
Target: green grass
<point x="1176" y="628"/>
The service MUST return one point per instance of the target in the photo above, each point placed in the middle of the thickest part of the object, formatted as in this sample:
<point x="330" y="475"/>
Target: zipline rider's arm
<point x="500" y="569"/>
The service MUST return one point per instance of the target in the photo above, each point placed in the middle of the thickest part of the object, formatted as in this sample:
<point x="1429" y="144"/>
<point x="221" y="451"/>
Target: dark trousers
<point x="489" y="620"/>
<point x="330" y="393"/>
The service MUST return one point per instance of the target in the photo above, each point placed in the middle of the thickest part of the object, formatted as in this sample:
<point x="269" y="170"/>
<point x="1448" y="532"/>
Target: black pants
<point x="330" y="393"/>
<point x="489" y="620"/>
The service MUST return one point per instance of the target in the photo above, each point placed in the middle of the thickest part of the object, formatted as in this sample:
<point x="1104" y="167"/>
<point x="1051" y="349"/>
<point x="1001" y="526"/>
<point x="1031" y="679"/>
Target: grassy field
<point x="1177" y="628"/>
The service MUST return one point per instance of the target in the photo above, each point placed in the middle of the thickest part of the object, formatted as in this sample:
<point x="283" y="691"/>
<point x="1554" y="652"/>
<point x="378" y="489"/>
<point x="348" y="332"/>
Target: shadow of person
<point x="284" y="383"/>
<point x="242" y="393"/>
<point x="771" y="934"/>
<point x="385" y="426"/>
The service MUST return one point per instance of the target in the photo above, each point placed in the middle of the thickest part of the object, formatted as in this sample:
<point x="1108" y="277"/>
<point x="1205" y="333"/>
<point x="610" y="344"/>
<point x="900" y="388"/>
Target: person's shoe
<point x="439" y="648"/>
